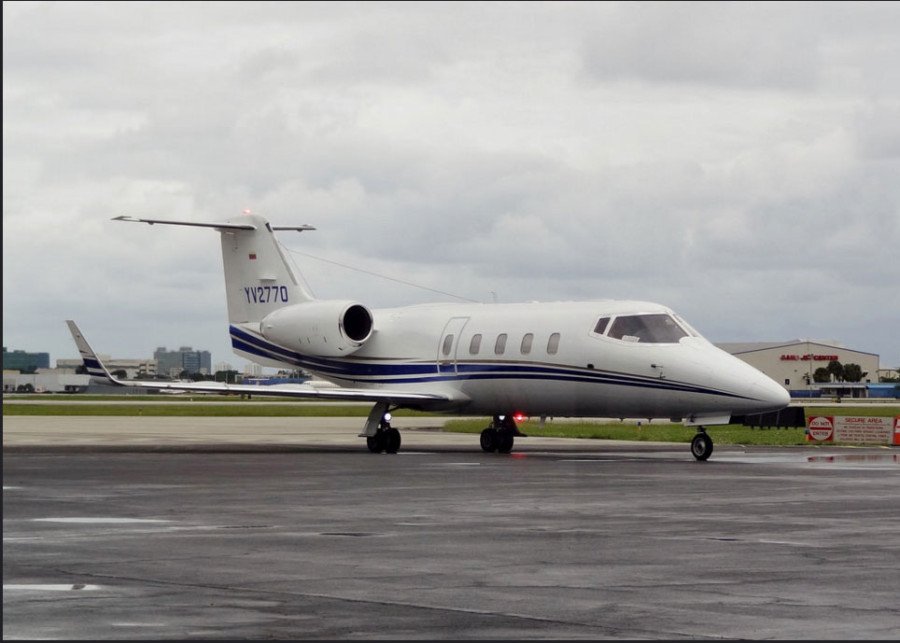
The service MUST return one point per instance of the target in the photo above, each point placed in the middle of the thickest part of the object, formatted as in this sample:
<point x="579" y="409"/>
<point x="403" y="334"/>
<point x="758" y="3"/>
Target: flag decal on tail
<point x="252" y="256"/>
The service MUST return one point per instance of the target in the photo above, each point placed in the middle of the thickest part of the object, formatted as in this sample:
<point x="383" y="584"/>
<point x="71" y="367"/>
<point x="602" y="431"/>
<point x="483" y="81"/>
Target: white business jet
<point x="603" y="358"/>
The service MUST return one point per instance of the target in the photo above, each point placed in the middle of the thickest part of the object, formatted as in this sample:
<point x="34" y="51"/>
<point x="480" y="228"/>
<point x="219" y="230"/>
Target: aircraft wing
<point x="97" y="369"/>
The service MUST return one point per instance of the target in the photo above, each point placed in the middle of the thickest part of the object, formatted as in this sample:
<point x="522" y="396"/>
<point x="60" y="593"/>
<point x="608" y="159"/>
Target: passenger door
<point x="449" y="345"/>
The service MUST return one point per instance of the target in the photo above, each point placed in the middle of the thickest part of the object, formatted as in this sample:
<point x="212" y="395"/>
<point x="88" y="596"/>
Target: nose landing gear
<point x="701" y="445"/>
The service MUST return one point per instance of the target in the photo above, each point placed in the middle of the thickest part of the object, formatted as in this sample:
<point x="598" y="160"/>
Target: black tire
<point x="702" y="446"/>
<point x="376" y="443"/>
<point x="489" y="440"/>
<point x="505" y="441"/>
<point x="392" y="440"/>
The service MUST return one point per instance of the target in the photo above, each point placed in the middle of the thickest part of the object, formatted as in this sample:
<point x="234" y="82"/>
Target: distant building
<point x="24" y="361"/>
<point x="794" y="363"/>
<point x="45" y="381"/>
<point x="252" y="369"/>
<point x="173" y="363"/>
<point x="134" y="368"/>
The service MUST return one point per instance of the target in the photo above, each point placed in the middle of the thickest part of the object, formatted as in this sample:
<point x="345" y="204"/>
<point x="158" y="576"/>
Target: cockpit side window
<point x="602" y="323"/>
<point x="658" y="328"/>
<point x="686" y="326"/>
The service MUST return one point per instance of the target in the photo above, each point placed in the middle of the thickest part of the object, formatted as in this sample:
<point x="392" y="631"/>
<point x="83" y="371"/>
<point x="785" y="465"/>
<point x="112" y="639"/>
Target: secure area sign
<point x="854" y="430"/>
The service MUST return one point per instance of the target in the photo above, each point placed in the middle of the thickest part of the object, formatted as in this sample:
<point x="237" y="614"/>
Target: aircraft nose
<point x="771" y="393"/>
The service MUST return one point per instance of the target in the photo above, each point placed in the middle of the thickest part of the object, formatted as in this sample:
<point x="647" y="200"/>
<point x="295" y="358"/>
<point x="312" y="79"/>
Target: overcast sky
<point x="739" y="162"/>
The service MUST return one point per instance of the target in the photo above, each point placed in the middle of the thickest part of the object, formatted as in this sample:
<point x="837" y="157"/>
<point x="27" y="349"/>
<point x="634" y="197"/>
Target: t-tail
<point x="273" y="319"/>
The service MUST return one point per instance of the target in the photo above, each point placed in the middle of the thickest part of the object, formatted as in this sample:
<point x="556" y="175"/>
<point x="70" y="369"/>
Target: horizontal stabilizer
<point x="218" y="226"/>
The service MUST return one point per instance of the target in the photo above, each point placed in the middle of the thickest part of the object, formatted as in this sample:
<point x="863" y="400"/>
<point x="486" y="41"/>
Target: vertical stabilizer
<point x="260" y="276"/>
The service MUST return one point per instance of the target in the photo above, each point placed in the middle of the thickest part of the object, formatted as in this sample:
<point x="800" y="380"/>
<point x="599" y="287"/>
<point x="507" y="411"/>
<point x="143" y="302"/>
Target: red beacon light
<point x="519" y="417"/>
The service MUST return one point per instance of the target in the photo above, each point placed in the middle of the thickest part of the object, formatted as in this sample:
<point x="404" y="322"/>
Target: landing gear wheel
<point x="391" y="440"/>
<point x="701" y="446"/>
<point x="505" y="439"/>
<point x="376" y="443"/>
<point x="387" y="440"/>
<point x="489" y="440"/>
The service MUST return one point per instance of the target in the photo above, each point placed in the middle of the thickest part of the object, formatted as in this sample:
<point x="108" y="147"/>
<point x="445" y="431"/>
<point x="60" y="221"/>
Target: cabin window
<point x="527" y="340"/>
<point x="553" y="344"/>
<point x="500" y="345"/>
<point x="602" y="323"/>
<point x="448" y="344"/>
<point x="654" y="328"/>
<point x="475" y="344"/>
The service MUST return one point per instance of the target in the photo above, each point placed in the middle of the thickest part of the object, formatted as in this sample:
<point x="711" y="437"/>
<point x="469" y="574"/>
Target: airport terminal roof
<point x="736" y="348"/>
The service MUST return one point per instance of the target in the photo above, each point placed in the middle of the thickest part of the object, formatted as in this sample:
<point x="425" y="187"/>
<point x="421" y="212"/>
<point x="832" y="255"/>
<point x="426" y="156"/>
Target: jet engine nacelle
<point x="321" y="328"/>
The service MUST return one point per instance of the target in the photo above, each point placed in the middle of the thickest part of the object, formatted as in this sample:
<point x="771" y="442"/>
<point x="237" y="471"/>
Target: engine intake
<point x="321" y="328"/>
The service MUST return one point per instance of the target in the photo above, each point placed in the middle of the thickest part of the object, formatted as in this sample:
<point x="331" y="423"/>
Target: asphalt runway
<point x="158" y="528"/>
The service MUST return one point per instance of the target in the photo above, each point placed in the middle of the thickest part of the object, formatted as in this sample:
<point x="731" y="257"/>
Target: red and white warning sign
<point x="854" y="430"/>
<point x="820" y="429"/>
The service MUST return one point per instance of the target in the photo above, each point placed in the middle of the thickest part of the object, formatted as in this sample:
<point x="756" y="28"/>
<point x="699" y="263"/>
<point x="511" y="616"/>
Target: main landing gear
<point x="379" y="434"/>
<point x="701" y="445"/>
<point x="500" y="435"/>
<point x="386" y="438"/>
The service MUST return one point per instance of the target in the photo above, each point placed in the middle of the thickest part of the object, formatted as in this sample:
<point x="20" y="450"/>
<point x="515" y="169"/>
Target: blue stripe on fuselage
<point x="358" y="372"/>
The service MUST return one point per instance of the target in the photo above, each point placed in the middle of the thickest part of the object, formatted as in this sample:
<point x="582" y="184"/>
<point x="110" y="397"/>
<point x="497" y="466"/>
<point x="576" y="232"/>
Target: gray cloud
<point x="736" y="161"/>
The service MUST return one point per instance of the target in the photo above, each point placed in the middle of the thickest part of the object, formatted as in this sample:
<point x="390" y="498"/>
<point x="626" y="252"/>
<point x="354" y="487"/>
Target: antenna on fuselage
<point x="379" y="275"/>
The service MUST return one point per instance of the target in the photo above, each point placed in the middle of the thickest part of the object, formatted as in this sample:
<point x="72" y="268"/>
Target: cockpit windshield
<point x="650" y="328"/>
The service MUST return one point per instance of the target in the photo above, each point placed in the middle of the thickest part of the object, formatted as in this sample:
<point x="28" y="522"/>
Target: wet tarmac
<point x="137" y="528"/>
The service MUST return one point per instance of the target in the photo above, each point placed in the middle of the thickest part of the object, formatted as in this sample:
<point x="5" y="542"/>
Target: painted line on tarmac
<point x="101" y="520"/>
<point x="77" y="587"/>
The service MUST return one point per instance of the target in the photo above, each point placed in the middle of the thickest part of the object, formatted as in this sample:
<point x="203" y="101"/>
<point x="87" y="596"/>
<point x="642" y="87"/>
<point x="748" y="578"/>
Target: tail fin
<point x="259" y="277"/>
<point x="92" y="364"/>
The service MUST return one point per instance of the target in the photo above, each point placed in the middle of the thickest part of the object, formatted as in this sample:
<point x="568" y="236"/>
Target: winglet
<point x="92" y="363"/>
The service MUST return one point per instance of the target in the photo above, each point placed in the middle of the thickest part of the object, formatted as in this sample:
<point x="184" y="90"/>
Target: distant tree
<point x="836" y="370"/>
<point x="853" y="373"/>
<point x="120" y="374"/>
<point x="821" y="376"/>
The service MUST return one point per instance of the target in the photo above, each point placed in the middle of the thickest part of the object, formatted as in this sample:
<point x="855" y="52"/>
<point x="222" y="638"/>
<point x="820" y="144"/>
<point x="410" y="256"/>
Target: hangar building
<point x="792" y="363"/>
